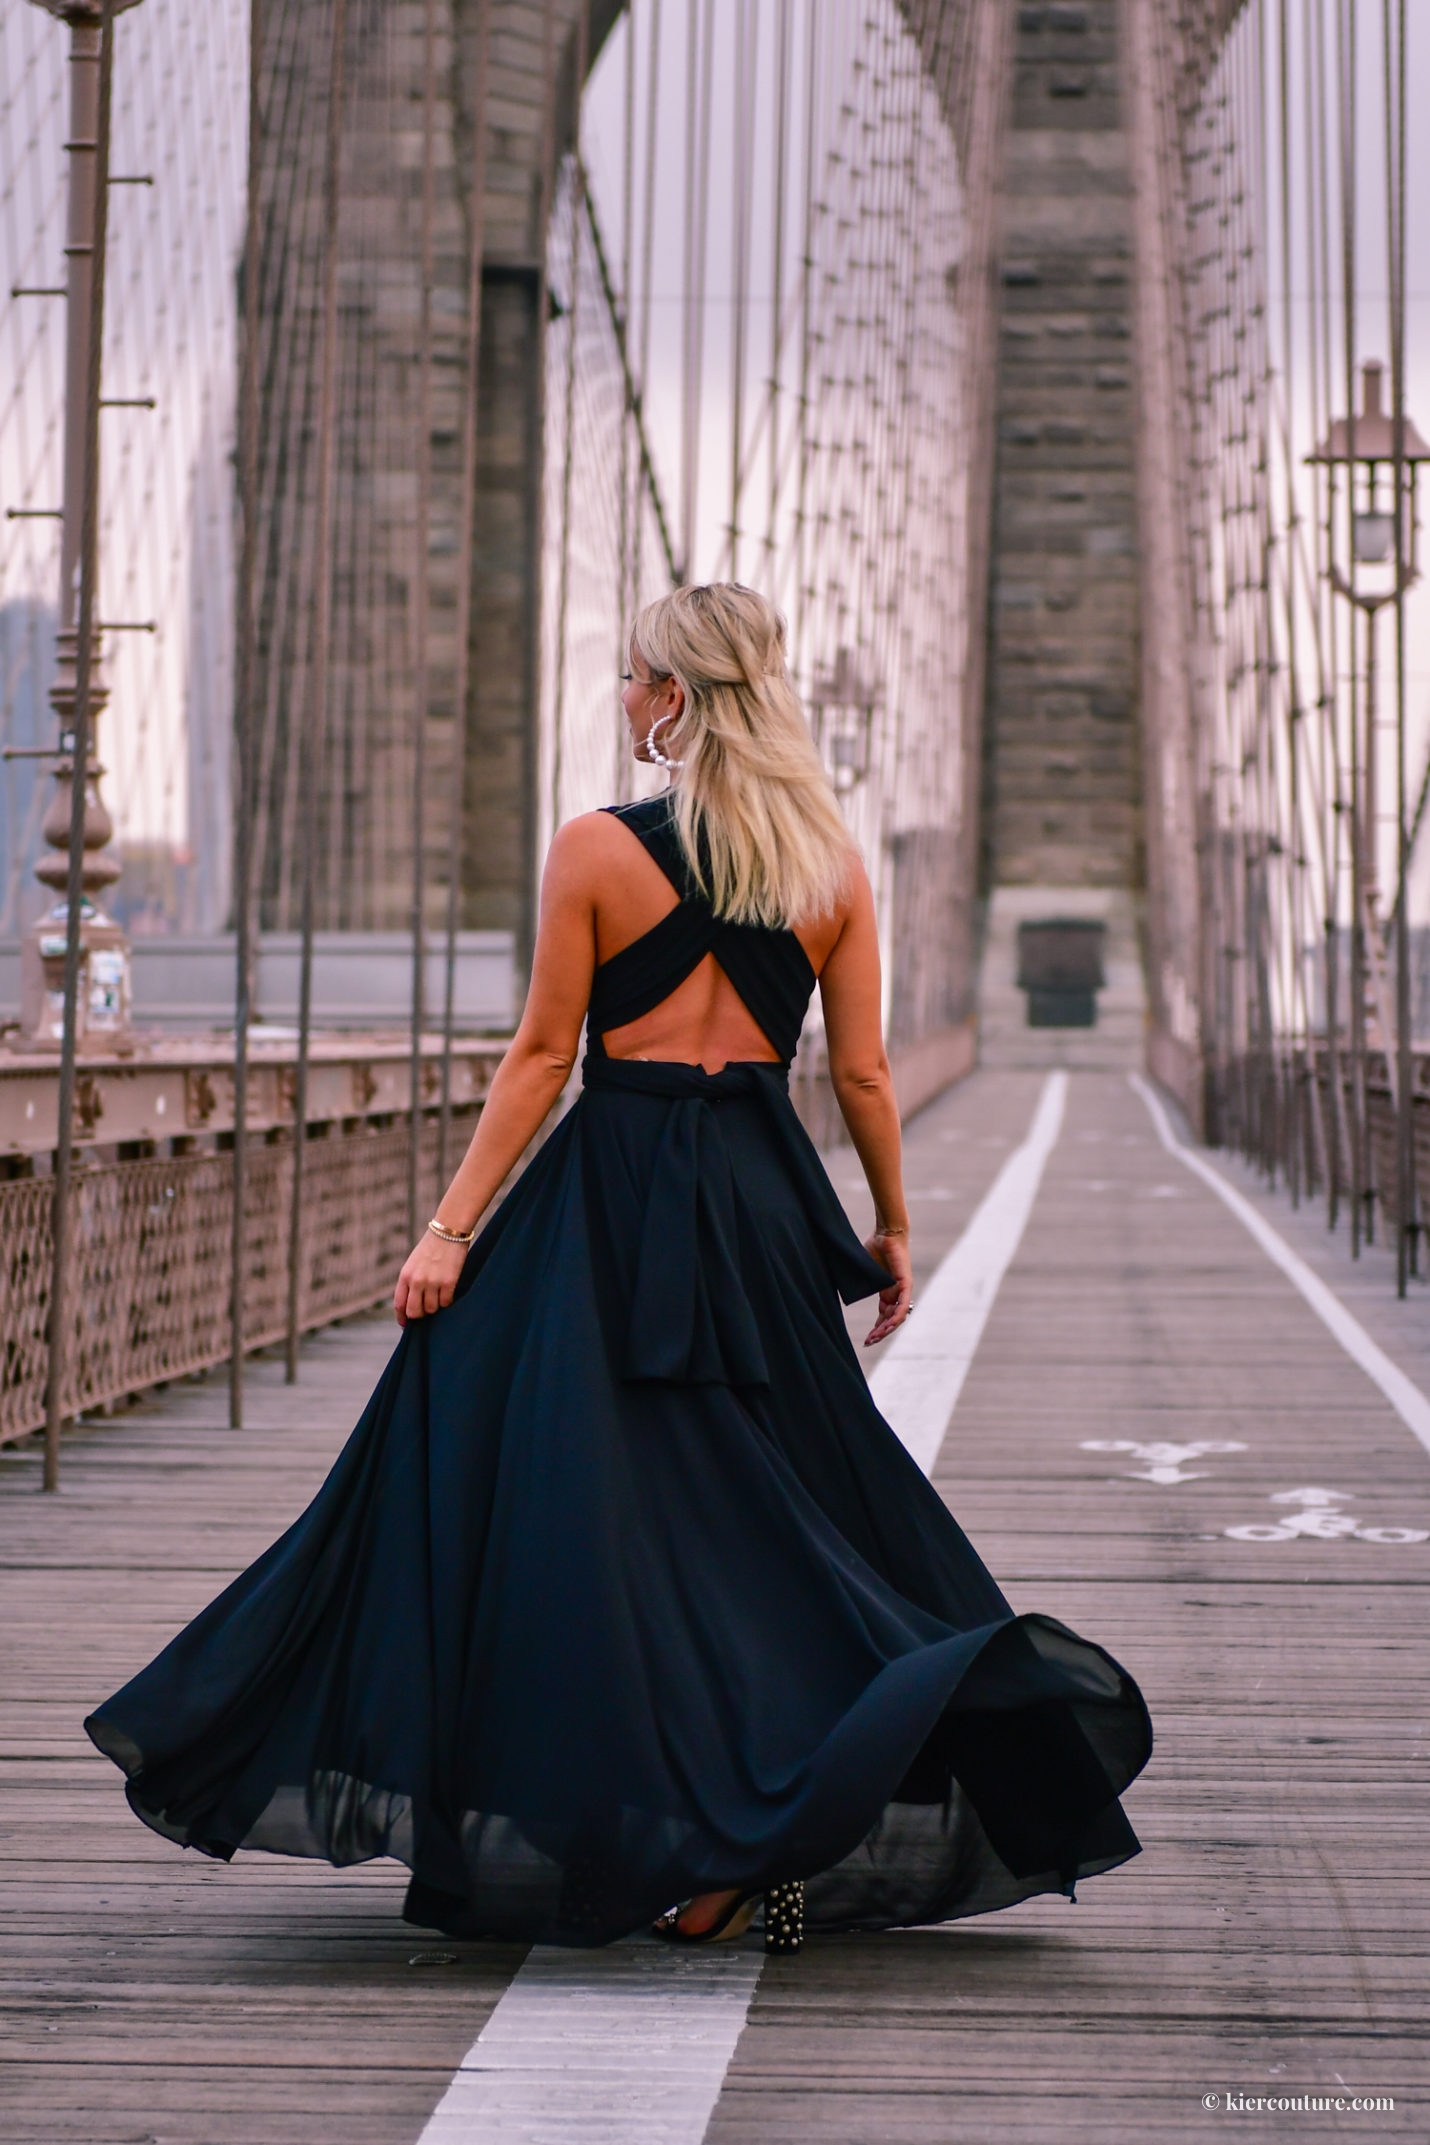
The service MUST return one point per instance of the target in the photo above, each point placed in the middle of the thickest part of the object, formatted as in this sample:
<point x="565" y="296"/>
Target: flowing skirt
<point x="623" y="1590"/>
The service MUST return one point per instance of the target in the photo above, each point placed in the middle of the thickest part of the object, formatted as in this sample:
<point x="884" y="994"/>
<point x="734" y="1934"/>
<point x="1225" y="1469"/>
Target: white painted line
<point x="602" y="2048"/>
<point x="1409" y="1403"/>
<point x="916" y="1386"/>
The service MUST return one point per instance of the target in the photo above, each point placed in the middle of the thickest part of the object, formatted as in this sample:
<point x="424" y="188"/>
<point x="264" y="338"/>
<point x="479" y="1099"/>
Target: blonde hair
<point x="755" y="810"/>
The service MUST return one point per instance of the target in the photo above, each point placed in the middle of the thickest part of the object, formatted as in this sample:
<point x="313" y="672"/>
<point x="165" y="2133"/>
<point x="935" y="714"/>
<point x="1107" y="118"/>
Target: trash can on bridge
<point x="1060" y="968"/>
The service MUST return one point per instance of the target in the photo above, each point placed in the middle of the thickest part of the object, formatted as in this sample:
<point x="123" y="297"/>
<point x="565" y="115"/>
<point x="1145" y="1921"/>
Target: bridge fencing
<point x="1279" y="500"/>
<point x="1288" y="1110"/>
<point x="151" y="1275"/>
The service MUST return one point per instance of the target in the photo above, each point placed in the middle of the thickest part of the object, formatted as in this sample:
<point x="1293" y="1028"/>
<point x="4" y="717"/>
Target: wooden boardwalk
<point x="1270" y="1942"/>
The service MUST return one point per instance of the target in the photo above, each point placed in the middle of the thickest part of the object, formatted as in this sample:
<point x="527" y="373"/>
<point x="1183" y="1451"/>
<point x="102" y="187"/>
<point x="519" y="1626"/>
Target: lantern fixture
<point x="842" y="706"/>
<point x="1365" y="445"/>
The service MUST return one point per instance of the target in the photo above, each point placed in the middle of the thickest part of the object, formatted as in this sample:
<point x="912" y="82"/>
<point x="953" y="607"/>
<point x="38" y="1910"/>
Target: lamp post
<point x="76" y="983"/>
<point x="1381" y="454"/>
<point x="103" y="996"/>
<point x="842" y="707"/>
<point x="1365" y="445"/>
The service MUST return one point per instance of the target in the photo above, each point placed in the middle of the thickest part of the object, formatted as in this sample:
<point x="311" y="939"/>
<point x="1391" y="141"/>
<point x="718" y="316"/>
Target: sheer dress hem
<point x="622" y="1589"/>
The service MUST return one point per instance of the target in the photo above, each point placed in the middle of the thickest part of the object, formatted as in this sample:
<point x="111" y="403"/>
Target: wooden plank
<point x="1273" y="1935"/>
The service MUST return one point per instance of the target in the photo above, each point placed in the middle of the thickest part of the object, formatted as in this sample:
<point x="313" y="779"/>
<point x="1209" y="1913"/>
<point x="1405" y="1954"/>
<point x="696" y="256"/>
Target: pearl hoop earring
<point x="652" y="750"/>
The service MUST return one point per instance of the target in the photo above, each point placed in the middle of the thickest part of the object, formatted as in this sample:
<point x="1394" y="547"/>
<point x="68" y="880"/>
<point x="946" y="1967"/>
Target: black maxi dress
<point x="622" y="1589"/>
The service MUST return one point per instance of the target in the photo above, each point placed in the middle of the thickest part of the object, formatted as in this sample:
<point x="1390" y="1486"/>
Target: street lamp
<point x="1378" y="466"/>
<point x="1381" y="453"/>
<point x="842" y="706"/>
<point x="102" y="1006"/>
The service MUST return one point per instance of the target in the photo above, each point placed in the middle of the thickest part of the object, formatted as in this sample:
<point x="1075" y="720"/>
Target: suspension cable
<point x="312" y="732"/>
<point x="467" y="511"/>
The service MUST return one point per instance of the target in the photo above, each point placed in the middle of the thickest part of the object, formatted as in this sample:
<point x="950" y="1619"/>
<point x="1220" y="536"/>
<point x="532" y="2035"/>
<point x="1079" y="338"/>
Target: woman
<point x="622" y="1592"/>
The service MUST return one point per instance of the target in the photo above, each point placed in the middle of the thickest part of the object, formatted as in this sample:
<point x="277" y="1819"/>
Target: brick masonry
<point x="1061" y="747"/>
<point x="365" y="815"/>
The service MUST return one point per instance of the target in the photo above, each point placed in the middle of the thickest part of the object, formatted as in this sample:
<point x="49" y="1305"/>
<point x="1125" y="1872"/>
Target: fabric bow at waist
<point x="690" y="1319"/>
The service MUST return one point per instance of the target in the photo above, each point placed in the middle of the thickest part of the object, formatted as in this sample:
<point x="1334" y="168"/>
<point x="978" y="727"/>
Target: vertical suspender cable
<point x="806" y="340"/>
<point x="282" y="456"/>
<point x="1393" y="31"/>
<point x="1308" y="816"/>
<point x="575" y="199"/>
<point x="697" y="235"/>
<point x="476" y="243"/>
<point x="1314" y="1154"/>
<point x="314" y="722"/>
<point x="1251" y="537"/>
<point x="687" y="277"/>
<point x="421" y="606"/>
<point x="746" y="19"/>
<point x="921" y="925"/>
<point x="1294" y="712"/>
<point x="536" y="476"/>
<point x="1270" y="847"/>
<point x="628" y="509"/>
<point x="244" y="739"/>
<point x="80" y="729"/>
<point x="354" y="766"/>
<point x="1320" y="281"/>
<point x="777" y="267"/>
<point x="636" y="406"/>
<point x="831" y="335"/>
<point x="1355" y="1012"/>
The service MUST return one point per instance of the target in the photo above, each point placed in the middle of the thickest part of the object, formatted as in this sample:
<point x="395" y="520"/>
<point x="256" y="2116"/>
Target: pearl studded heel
<point x="784" y="1917"/>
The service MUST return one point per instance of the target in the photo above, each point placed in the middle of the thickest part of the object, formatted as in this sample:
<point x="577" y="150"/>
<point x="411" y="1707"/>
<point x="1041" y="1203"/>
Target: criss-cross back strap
<point x="769" y="969"/>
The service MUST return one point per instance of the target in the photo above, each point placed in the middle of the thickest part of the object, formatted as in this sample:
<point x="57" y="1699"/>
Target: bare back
<point x="703" y="1021"/>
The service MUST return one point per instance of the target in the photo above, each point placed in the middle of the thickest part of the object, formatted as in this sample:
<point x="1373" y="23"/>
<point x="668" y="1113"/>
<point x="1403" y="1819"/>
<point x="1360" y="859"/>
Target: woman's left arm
<point x="530" y="1076"/>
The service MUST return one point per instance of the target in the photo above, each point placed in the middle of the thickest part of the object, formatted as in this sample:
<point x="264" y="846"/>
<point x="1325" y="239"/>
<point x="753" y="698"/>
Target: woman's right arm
<point x="849" y="989"/>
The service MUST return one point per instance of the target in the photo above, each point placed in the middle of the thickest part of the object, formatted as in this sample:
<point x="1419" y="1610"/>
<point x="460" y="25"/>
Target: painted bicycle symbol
<point x="1319" y="1520"/>
<point x="1165" y="1463"/>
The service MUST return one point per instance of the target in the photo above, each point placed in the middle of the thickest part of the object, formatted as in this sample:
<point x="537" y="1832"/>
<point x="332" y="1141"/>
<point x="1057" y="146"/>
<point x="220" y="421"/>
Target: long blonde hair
<point x="756" y="812"/>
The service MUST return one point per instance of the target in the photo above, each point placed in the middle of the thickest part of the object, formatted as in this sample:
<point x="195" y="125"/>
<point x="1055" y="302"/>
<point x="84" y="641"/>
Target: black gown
<point x="622" y="1589"/>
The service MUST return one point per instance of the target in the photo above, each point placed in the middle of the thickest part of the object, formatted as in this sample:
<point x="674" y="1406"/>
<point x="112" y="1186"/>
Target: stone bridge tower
<point x="1060" y="825"/>
<point x="1079" y="800"/>
<point x="1087" y="781"/>
<point x="365" y="863"/>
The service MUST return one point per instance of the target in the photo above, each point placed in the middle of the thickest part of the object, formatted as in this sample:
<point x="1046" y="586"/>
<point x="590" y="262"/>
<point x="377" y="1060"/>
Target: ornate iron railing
<point x="150" y="1283"/>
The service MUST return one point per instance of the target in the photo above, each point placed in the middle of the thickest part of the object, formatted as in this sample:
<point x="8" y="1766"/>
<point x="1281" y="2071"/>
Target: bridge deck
<point x="1272" y="1939"/>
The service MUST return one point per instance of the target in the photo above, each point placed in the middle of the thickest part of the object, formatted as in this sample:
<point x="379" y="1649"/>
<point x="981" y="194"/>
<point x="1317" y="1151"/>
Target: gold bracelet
<point x="452" y="1236"/>
<point x="902" y="1230"/>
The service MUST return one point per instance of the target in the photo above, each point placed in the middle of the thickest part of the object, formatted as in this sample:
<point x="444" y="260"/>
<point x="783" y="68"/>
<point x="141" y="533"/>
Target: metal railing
<point x="1312" y="1121"/>
<point x="150" y="1258"/>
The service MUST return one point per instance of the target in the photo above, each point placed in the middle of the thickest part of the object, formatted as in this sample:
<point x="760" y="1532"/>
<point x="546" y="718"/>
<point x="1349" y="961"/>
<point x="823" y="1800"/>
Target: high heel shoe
<point x="732" y="1921"/>
<point x="784" y="1920"/>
